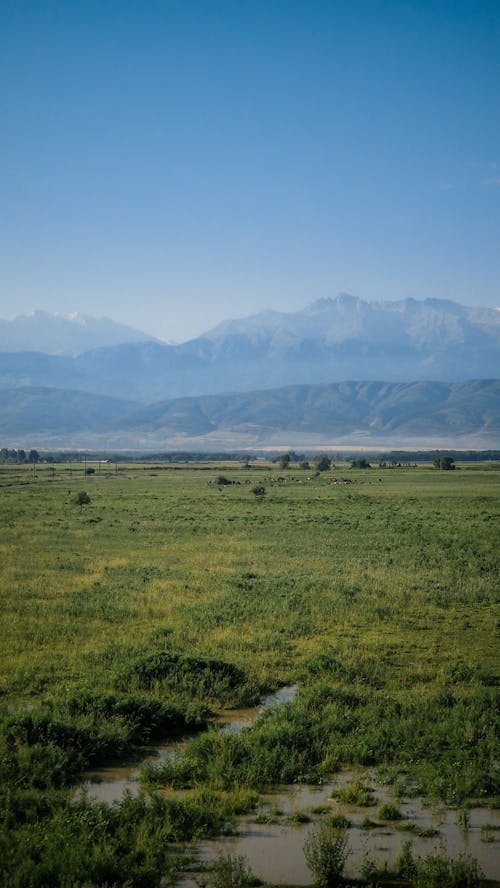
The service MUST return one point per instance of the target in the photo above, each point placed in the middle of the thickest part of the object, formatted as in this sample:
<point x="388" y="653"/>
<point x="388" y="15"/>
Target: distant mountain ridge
<point x="432" y="414"/>
<point x="428" y="323"/>
<point x="330" y="340"/>
<point x="64" y="334"/>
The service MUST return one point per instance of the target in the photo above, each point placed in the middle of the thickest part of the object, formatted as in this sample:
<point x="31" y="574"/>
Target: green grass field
<point x="166" y="595"/>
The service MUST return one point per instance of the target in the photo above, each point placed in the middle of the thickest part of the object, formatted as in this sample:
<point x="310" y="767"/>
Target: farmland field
<point x="169" y="597"/>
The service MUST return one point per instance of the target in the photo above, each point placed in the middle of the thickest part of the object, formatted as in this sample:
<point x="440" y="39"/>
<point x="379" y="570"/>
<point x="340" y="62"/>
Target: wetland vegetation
<point x="167" y="599"/>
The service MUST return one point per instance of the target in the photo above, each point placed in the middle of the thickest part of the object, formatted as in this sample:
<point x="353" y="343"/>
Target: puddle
<point x="274" y="851"/>
<point x="234" y="720"/>
<point x="109" y="784"/>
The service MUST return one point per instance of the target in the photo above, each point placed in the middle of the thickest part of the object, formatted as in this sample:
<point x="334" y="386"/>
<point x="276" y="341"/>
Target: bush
<point x="50" y="745"/>
<point x="231" y="872"/>
<point x="222" y="481"/>
<point x="325" y="850"/>
<point x="439" y="871"/>
<point x="339" y="821"/>
<point x="81" y="499"/>
<point x="200" y="677"/>
<point x="259" y="490"/>
<point x="355" y="793"/>
<point x="406" y="865"/>
<point x="388" y="811"/>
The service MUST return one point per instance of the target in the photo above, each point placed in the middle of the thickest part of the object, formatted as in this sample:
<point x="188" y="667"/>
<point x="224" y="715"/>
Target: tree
<point x="304" y="465"/>
<point x="360" y="463"/>
<point x="284" y="461"/>
<point x="322" y="463"/>
<point x="34" y="456"/>
<point x="81" y="499"/>
<point x="445" y="463"/>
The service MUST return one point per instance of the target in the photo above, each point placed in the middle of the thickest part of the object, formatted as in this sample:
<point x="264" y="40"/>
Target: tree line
<point x="19" y="456"/>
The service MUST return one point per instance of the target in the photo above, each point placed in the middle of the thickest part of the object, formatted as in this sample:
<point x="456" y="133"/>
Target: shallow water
<point x="109" y="784"/>
<point x="275" y="851"/>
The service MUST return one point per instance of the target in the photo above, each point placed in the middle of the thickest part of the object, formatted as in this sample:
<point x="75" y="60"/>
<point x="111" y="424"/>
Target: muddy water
<point x="274" y="851"/>
<point x="234" y="720"/>
<point x="109" y="784"/>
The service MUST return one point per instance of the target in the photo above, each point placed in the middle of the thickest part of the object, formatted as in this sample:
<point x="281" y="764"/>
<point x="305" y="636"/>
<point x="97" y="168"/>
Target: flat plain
<point x="171" y="596"/>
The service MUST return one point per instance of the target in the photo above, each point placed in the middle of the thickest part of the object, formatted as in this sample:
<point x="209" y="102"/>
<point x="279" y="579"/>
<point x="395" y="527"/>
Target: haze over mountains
<point x="332" y="341"/>
<point x="64" y="334"/>
<point x="409" y="415"/>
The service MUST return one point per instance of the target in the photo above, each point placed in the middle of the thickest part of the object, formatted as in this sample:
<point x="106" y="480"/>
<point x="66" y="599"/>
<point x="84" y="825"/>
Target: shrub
<point x="197" y="676"/>
<point x="439" y="871"/>
<point x="405" y="864"/>
<point x="388" y="811"/>
<point x="297" y="818"/>
<point x="325" y="850"/>
<point x="222" y="481"/>
<point x="231" y="872"/>
<point x="81" y="499"/>
<point x="355" y="793"/>
<point x="259" y="490"/>
<point x="339" y="821"/>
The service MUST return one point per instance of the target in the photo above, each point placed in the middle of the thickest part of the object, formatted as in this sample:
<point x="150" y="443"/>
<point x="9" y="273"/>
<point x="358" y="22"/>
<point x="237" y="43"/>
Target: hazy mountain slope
<point x="340" y="408"/>
<point x="20" y="369"/>
<point x="35" y="410"/>
<point x="452" y="414"/>
<point x="58" y="334"/>
<point x="331" y="340"/>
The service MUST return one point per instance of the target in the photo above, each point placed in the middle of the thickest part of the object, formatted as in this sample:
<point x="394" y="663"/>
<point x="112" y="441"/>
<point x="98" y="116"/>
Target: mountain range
<point x="273" y="379"/>
<point x="331" y="340"/>
<point x="64" y="334"/>
<point x="407" y="415"/>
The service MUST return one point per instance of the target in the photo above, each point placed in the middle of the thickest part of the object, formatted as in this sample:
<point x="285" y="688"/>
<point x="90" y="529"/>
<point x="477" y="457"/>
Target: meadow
<point x="168" y="597"/>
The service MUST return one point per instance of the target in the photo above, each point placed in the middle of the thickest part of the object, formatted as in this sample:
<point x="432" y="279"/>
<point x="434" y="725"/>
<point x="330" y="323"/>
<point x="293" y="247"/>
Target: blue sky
<point x="171" y="164"/>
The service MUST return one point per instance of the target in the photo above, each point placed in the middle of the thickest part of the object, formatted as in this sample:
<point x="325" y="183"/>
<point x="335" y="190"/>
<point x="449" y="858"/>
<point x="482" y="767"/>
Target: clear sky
<point x="171" y="164"/>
